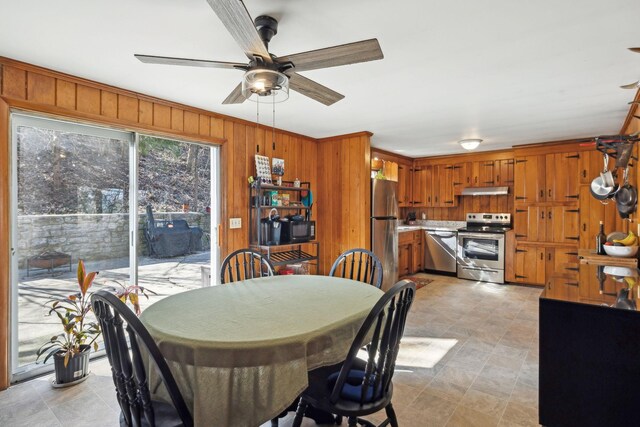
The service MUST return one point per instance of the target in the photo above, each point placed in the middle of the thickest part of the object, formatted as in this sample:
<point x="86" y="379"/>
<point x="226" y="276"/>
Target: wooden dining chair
<point x="355" y="387"/>
<point x="245" y="264"/>
<point x="118" y="323"/>
<point x="358" y="264"/>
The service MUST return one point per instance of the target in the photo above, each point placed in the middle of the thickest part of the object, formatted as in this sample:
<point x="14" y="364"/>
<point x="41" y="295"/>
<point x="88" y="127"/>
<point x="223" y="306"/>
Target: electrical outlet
<point x="235" y="222"/>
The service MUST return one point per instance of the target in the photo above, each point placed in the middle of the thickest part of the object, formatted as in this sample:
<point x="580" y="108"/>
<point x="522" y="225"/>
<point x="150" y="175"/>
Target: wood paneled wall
<point x="343" y="203"/>
<point x="45" y="92"/>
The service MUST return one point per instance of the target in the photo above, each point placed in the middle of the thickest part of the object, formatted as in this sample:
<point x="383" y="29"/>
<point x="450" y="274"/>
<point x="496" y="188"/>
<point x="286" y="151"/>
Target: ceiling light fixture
<point x="264" y="82"/>
<point x="470" y="144"/>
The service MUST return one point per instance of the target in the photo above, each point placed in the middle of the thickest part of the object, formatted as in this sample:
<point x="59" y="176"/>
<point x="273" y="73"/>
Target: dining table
<point x="240" y="352"/>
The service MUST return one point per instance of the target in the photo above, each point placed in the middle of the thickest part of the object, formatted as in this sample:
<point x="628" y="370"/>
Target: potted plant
<point x="71" y="348"/>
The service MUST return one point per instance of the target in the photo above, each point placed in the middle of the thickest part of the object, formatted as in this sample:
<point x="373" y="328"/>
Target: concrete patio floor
<point x="166" y="276"/>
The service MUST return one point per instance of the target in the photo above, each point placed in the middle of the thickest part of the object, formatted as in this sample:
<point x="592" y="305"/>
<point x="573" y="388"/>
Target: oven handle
<point x="482" y="235"/>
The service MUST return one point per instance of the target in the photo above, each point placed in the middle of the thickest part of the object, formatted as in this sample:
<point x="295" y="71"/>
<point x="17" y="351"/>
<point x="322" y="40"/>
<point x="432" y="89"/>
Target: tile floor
<point x="469" y="358"/>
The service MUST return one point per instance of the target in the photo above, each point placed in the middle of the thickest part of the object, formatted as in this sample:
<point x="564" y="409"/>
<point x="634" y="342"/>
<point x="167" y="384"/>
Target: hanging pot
<point x="603" y="186"/>
<point x="626" y="197"/>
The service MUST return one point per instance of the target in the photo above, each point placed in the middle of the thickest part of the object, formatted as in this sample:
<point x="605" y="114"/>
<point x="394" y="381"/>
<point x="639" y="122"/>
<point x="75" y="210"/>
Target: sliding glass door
<point x="84" y="192"/>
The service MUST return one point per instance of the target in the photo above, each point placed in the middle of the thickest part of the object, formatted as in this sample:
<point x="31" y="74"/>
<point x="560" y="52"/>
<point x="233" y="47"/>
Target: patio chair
<point x="171" y="238"/>
<point x="118" y="323"/>
<point x="356" y="388"/>
<point x="244" y="264"/>
<point x="358" y="264"/>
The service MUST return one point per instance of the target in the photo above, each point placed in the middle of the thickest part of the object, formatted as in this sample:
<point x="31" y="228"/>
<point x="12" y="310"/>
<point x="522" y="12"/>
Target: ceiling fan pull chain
<point x="273" y="127"/>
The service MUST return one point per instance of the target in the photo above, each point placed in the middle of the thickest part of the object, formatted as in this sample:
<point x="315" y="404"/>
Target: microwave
<point x="297" y="231"/>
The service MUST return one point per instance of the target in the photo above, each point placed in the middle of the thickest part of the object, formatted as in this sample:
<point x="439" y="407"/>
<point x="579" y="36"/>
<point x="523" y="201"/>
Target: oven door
<point x="480" y="250"/>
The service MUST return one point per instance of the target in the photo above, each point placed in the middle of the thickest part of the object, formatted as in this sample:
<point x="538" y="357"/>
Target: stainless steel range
<point x="480" y="251"/>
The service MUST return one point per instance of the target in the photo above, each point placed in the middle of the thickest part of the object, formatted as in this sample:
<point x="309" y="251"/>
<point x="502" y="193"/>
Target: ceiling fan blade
<point x="631" y="85"/>
<point x="236" y="96"/>
<point x="633" y="102"/>
<point x="313" y="90"/>
<point x="236" y="19"/>
<point x="635" y="49"/>
<point x="350" y="53"/>
<point x="637" y="117"/>
<point x="167" y="60"/>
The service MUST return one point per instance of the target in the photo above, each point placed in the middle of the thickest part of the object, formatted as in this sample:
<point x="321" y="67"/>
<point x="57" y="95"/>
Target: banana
<point x="630" y="281"/>
<point x="630" y="240"/>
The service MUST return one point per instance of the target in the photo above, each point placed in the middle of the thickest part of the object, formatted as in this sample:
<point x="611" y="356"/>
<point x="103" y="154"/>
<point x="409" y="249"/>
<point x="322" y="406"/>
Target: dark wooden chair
<point x="356" y="388"/>
<point x="244" y="264"/>
<point x="118" y="322"/>
<point x="358" y="264"/>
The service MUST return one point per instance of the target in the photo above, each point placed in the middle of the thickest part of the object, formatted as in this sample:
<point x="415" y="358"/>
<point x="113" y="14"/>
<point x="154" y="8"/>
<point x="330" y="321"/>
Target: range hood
<point x="485" y="191"/>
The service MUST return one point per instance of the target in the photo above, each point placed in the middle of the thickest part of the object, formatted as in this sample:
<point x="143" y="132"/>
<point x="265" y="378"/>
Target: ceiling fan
<point x="266" y="74"/>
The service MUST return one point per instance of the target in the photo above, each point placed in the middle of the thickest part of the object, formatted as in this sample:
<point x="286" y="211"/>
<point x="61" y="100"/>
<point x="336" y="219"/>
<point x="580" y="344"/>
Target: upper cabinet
<point x="529" y="183"/>
<point x="504" y="173"/>
<point x="404" y="185"/>
<point x="461" y="177"/>
<point x="547" y="178"/>
<point x="421" y="176"/>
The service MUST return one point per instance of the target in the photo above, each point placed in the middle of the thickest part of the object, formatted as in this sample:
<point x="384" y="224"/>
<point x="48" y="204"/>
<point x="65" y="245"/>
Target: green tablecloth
<point x="240" y="352"/>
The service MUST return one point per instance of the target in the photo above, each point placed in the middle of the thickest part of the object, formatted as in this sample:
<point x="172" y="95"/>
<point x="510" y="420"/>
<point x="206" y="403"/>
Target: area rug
<point x="421" y="280"/>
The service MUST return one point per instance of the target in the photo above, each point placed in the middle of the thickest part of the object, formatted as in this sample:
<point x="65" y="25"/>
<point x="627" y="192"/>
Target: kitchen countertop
<point x="431" y="225"/>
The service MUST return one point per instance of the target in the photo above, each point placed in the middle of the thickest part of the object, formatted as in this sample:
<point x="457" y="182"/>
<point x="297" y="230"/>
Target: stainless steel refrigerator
<point x="384" y="228"/>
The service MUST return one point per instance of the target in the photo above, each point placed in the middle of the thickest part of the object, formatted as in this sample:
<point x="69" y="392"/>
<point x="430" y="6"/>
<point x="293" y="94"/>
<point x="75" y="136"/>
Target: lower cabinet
<point x="410" y="252"/>
<point x="545" y="265"/>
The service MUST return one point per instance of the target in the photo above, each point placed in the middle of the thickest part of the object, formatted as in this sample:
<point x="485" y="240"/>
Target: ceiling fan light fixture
<point x="264" y="82"/>
<point x="470" y="144"/>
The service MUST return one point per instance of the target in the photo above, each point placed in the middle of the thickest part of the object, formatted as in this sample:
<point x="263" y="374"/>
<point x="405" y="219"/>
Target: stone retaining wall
<point x="90" y="236"/>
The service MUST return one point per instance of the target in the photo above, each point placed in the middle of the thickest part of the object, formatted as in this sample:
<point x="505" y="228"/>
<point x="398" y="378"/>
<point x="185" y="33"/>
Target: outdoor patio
<point x="163" y="277"/>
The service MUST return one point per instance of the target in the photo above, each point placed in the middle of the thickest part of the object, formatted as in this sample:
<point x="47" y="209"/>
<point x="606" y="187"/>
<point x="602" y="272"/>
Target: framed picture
<point x="263" y="169"/>
<point x="277" y="166"/>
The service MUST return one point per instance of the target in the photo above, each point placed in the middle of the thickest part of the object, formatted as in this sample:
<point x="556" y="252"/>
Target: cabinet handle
<point x="475" y="179"/>
<point x="549" y="192"/>
<point x="584" y="227"/>
<point x="520" y="250"/>
<point x="436" y="199"/>
<point x="498" y="178"/>
<point x="520" y="198"/>
<point x="541" y="256"/>
<point x="520" y="277"/>
<point x="549" y="214"/>
<point x="572" y="283"/>
<point x="429" y="199"/>
<point x="257" y="148"/>
<point x="520" y="235"/>
<point x="273" y="146"/>
<point x="541" y="194"/>
<point x="468" y="179"/>
<point x="542" y="215"/>
<point x="549" y="256"/>
<point x="584" y="173"/>
<point x="449" y="201"/>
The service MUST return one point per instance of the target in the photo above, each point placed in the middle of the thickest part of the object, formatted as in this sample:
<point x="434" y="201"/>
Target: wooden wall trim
<point x="123" y="96"/>
<point x="552" y="147"/>
<point x="5" y="215"/>
<point x="465" y="157"/>
<point x="365" y="133"/>
<point x="389" y="156"/>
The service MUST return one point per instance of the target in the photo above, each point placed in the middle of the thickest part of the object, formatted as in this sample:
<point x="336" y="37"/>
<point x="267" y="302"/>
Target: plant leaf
<point x="66" y="358"/>
<point x="81" y="272"/>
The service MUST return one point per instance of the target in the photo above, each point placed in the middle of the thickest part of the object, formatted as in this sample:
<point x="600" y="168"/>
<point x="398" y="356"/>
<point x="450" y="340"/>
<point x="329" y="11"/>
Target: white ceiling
<point x="508" y="71"/>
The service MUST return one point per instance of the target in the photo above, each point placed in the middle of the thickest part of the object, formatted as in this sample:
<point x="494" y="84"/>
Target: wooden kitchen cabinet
<point x="410" y="252"/>
<point x="592" y="211"/>
<point x="553" y="224"/>
<point x="404" y="259"/>
<point x="461" y="177"/>
<point x="404" y="186"/>
<point x="421" y="176"/>
<point x="417" y="259"/>
<point x="562" y="177"/>
<point x="442" y="187"/>
<point x="504" y="173"/>
<point x="529" y="175"/>
<point x="529" y="265"/>
<point x="482" y="174"/>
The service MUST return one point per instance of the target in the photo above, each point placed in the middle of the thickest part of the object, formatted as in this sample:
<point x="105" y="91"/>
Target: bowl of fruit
<point x="622" y="248"/>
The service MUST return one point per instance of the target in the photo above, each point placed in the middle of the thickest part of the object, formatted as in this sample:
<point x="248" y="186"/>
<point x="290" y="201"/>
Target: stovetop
<point x="487" y="223"/>
<point x="484" y="229"/>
